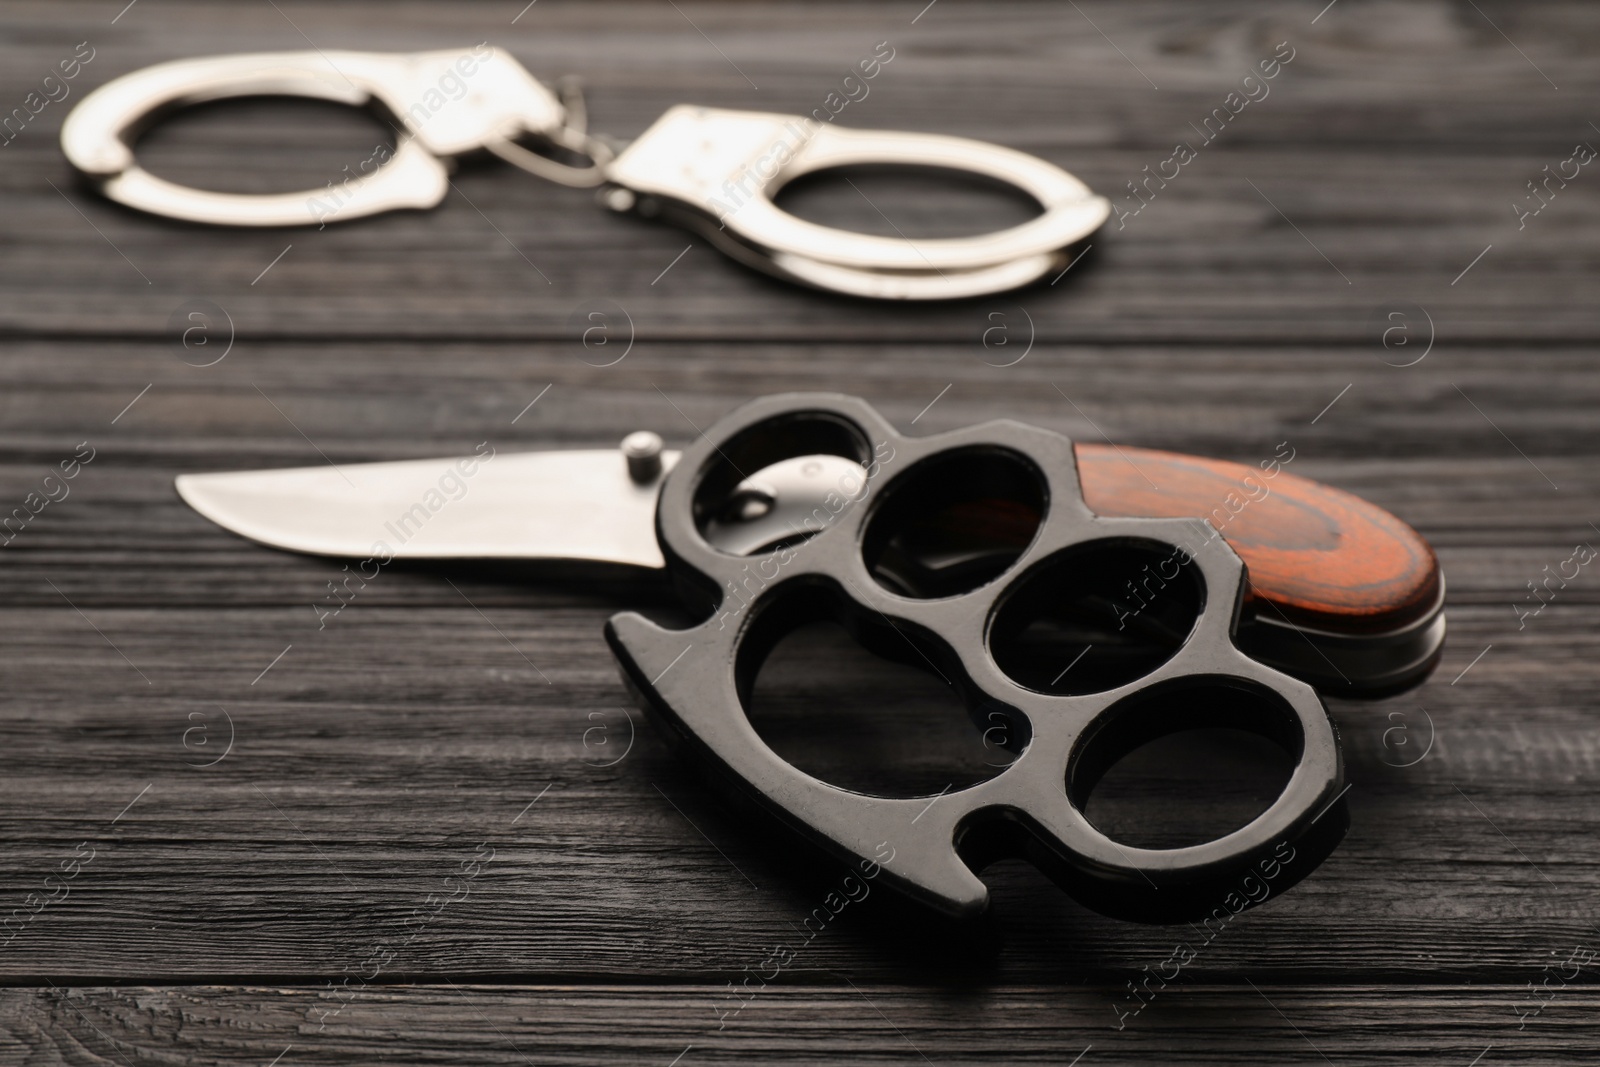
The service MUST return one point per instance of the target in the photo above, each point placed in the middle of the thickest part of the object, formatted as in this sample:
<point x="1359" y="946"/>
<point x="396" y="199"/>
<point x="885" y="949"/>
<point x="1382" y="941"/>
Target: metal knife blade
<point x="579" y="505"/>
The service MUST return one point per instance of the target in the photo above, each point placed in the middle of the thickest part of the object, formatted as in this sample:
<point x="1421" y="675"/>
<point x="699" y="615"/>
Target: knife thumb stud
<point x="642" y="450"/>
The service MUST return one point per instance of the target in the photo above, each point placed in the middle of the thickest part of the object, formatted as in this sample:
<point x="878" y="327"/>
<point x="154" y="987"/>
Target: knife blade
<point x="578" y="505"/>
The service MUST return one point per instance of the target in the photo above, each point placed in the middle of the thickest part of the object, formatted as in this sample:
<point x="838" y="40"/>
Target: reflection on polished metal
<point x="581" y="505"/>
<point x="502" y="101"/>
<point x="713" y="170"/>
<point x="723" y="187"/>
<point x="586" y="505"/>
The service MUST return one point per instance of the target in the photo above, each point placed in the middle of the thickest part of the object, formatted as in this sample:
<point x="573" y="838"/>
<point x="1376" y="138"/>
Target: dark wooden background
<point x="224" y="904"/>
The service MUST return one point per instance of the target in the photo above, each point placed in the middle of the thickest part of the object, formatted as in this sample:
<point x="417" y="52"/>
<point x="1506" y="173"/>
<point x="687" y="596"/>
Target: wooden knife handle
<point x="1324" y="558"/>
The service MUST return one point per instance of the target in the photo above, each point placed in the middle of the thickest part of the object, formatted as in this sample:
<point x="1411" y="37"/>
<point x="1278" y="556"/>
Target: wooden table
<point x="325" y="893"/>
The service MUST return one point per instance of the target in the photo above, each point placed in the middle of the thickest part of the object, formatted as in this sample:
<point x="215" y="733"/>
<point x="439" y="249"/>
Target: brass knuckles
<point x="695" y="682"/>
<point x="717" y="170"/>
<point x="499" y="102"/>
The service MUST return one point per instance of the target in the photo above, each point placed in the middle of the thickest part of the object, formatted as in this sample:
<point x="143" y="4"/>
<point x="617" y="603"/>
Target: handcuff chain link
<point x="573" y="136"/>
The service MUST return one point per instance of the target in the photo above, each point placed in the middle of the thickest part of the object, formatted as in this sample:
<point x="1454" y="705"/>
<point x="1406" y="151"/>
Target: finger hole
<point x="1185" y="763"/>
<point x="867" y="705"/>
<point x="782" y="481"/>
<point x="953" y="523"/>
<point x="1096" y="616"/>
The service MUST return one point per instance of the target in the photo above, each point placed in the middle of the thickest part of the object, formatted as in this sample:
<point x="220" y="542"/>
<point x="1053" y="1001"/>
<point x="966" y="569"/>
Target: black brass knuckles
<point x="697" y="681"/>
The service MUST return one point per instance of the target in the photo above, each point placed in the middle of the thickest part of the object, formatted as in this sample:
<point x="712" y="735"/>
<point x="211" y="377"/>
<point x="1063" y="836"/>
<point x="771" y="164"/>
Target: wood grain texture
<point x="786" y="1024"/>
<point x="447" y="711"/>
<point x="1316" y="554"/>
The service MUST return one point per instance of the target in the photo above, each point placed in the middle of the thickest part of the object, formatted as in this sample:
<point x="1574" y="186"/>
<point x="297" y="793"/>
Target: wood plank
<point x="791" y="1022"/>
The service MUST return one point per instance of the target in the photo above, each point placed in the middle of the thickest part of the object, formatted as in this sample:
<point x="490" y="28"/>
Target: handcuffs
<point x="712" y="170"/>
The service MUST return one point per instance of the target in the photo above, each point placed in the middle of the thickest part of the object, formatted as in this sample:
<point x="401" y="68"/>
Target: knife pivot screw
<point x="642" y="450"/>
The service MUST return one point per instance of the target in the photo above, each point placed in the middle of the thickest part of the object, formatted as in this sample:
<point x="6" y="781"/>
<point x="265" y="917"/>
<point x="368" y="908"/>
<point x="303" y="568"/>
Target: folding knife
<point x="1342" y="594"/>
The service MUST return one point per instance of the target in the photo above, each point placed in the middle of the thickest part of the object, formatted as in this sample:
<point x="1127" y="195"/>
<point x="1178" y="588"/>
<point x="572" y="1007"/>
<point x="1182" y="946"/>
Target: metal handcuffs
<point x="710" y="169"/>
